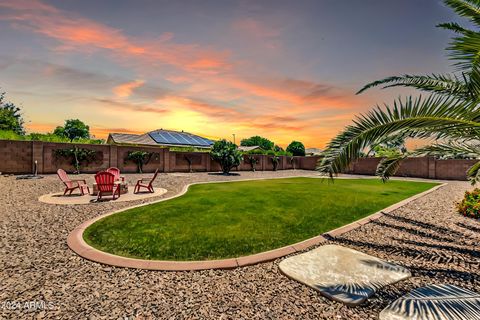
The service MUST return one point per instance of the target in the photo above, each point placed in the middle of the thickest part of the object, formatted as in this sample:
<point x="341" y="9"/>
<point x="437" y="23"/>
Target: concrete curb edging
<point x="78" y="245"/>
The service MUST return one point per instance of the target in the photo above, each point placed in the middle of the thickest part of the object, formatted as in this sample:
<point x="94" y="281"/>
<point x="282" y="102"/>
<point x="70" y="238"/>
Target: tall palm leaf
<point x="441" y="84"/>
<point x="437" y="116"/>
<point x="450" y="112"/>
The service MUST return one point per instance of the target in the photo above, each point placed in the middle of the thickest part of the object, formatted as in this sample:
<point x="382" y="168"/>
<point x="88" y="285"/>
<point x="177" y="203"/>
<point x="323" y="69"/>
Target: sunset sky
<point x="286" y="70"/>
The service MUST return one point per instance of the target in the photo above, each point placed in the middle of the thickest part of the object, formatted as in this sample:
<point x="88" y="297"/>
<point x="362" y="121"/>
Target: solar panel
<point x="179" y="138"/>
<point x="197" y="140"/>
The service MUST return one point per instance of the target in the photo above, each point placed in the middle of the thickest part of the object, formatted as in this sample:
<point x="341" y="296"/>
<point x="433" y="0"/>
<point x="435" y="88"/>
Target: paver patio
<point x="73" y="199"/>
<point x="426" y="236"/>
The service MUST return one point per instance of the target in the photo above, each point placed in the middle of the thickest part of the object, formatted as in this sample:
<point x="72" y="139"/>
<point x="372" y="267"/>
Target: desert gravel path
<point x="426" y="236"/>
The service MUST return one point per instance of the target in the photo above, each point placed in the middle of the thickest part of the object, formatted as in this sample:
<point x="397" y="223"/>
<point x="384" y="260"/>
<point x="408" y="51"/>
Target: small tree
<point x="73" y="129"/>
<point x="296" y="148"/>
<point x="77" y="156"/>
<point x="190" y="162"/>
<point x="252" y="161"/>
<point x="275" y="161"/>
<point x="10" y="117"/>
<point x="262" y="142"/>
<point x="292" y="161"/>
<point x="226" y="154"/>
<point x="140" y="158"/>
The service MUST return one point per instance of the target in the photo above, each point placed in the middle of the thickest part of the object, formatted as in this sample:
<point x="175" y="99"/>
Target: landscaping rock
<point x="426" y="236"/>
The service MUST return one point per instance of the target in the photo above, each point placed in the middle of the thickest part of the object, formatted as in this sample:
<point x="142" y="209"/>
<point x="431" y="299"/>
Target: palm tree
<point x="449" y="114"/>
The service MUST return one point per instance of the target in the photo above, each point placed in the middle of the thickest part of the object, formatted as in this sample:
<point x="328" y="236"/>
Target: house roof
<point x="132" y="138"/>
<point x="313" y="151"/>
<point x="161" y="137"/>
<point x="249" y="148"/>
<point x="176" y="138"/>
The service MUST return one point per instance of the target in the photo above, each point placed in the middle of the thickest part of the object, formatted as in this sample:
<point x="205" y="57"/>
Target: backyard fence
<point x="422" y="167"/>
<point x="19" y="157"/>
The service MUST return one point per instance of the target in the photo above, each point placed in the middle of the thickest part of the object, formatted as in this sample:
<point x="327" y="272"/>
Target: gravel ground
<point x="426" y="236"/>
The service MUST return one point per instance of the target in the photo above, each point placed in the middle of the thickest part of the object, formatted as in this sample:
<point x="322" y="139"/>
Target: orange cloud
<point x="234" y="117"/>
<point x="134" y="107"/>
<point x="125" y="90"/>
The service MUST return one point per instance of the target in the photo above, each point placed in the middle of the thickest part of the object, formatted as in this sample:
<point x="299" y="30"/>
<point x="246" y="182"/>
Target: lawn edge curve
<point x="78" y="245"/>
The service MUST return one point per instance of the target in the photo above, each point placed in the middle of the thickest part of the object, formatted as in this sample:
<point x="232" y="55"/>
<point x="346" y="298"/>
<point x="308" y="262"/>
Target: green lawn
<point x="234" y="219"/>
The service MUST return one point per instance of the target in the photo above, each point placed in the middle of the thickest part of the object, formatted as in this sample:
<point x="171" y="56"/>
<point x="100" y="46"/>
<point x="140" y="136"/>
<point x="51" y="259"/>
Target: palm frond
<point x="436" y="114"/>
<point x="465" y="50"/>
<point x="442" y="84"/>
<point x="388" y="166"/>
<point x="469" y="9"/>
<point x="451" y="149"/>
<point x="472" y="83"/>
<point x="473" y="174"/>
<point x="452" y="26"/>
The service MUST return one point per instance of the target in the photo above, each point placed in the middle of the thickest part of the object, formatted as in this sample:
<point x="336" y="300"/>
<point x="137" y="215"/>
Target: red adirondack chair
<point x="71" y="185"/>
<point x="146" y="183"/>
<point x="106" y="184"/>
<point x="116" y="173"/>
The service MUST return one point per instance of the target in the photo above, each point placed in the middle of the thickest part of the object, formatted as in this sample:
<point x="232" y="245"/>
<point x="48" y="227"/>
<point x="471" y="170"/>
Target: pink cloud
<point x="259" y="31"/>
<point x="273" y="104"/>
<point x="78" y="33"/>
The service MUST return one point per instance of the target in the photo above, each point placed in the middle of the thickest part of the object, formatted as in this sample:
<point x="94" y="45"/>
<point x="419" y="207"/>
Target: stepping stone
<point x="342" y="274"/>
<point x="435" y="302"/>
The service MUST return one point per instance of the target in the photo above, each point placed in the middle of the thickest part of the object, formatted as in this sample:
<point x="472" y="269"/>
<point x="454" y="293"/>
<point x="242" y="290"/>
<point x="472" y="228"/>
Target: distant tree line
<point x="12" y="127"/>
<point x="295" y="148"/>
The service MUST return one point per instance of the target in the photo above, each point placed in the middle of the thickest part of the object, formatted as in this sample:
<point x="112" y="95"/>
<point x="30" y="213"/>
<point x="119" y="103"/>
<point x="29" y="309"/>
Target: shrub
<point x="256" y="151"/>
<point x="252" y="161"/>
<point x="277" y="148"/>
<point x="226" y="154"/>
<point x="188" y="149"/>
<point x="470" y="205"/>
<point x="45" y="137"/>
<point x="296" y="148"/>
<point x="270" y="153"/>
<point x="10" y="135"/>
<point x="284" y="153"/>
